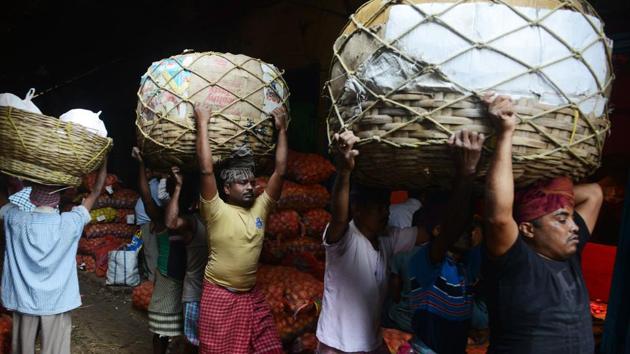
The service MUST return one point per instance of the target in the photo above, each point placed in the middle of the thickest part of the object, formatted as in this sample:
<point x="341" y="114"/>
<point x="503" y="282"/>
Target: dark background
<point x="91" y="54"/>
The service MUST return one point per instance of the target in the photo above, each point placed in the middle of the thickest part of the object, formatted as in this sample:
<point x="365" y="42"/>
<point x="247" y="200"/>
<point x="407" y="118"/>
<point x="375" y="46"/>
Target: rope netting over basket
<point x="241" y="91"/>
<point x="408" y="74"/>
<point x="45" y="150"/>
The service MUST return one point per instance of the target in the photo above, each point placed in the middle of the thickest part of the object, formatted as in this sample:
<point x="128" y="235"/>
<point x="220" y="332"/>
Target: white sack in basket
<point x="11" y="100"/>
<point x="86" y="118"/>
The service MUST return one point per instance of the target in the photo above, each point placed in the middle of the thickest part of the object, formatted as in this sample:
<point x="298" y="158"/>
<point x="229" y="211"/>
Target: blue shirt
<point x="141" y="214"/>
<point x="40" y="271"/>
<point x="442" y="299"/>
<point x="401" y="313"/>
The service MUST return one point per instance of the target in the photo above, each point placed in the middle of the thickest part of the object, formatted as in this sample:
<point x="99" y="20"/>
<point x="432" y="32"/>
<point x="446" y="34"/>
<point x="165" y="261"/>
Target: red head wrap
<point x="543" y="198"/>
<point x="45" y="195"/>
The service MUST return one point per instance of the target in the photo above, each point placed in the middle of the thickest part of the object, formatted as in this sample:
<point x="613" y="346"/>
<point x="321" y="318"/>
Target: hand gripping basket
<point x="242" y="92"/>
<point x="45" y="150"/>
<point x="407" y="74"/>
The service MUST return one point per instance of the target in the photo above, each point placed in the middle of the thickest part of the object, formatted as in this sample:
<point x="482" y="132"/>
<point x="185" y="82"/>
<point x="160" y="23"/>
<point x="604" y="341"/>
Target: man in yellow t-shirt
<point x="234" y="316"/>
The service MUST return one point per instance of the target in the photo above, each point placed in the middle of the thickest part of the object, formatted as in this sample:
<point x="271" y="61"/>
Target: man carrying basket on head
<point x="234" y="316"/>
<point x="39" y="279"/>
<point x="537" y="298"/>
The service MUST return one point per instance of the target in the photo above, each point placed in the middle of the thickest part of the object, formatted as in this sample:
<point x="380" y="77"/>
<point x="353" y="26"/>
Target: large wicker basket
<point x="398" y="80"/>
<point x="45" y="150"/>
<point x="242" y="91"/>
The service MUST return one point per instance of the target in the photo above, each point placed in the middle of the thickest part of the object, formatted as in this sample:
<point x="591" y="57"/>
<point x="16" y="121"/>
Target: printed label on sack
<point x="131" y="219"/>
<point x="109" y="189"/>
<point x="101" y="218"/>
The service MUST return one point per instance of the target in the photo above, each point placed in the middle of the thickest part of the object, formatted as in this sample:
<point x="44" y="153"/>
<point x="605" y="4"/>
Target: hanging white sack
<point x="86" y="118"/>
<point x="26" y="104"/>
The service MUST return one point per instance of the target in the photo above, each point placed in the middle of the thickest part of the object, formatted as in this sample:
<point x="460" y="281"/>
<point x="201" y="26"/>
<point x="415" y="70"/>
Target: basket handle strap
<point x="100" y="153"/>
<point x="576" y="116"/>
<point x="69" y="133"/>
<point x="17" y="131"/>
<point x="30" y="94"/>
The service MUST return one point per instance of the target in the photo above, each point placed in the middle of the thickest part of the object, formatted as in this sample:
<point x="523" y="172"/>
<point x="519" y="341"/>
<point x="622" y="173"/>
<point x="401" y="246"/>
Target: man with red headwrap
<point x="537" y="298"/>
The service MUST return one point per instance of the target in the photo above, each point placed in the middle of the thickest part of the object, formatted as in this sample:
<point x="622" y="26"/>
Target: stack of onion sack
<point x="304" y="344"/>
<point x="294" y="298"/>
<point x="6" y="326"/>
<point x="141" y="295"/>
<point x="112" y="224"/>
<point x="294" y="230"/>
<point x="395" y="339"/>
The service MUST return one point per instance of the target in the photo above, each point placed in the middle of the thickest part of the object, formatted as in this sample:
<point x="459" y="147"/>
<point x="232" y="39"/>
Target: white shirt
<point x="401" y="215"/>
<point x="355" y="286"/>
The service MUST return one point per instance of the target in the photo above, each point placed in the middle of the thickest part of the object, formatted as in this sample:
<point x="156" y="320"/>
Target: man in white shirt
<point x="355" y="283"/>
<point x="401" y="214"/>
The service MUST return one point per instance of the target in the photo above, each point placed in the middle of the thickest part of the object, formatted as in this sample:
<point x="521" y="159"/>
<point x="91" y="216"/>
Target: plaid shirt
<point x="23" y="199"/>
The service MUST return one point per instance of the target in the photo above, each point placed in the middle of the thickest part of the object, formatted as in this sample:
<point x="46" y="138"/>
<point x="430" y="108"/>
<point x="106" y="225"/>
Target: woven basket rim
<point x="84" y="137"/>
<point x="42" y="116"/>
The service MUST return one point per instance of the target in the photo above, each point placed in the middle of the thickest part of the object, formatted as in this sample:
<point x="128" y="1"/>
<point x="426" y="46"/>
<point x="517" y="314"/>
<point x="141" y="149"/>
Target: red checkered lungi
<point x="238" y="323"/>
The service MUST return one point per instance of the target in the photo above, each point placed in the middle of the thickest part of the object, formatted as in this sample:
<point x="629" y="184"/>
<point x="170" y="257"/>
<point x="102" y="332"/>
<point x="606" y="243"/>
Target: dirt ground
<point x="106" y="322"/>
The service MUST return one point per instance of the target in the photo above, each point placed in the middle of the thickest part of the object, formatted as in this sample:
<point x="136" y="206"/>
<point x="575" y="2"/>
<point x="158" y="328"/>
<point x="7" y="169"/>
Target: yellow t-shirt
<point x="235" y="238"/>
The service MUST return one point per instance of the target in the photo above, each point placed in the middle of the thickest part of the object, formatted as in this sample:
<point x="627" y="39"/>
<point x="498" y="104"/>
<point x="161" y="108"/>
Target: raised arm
<point x="588" y="202"/>
<point x="340" y="203"/>
<point x="466" y="148"/>
<point x="501" y="229"/>
<point x="274" y="186"/>
<point x="152" y="210"/>
<point x="204" y="154"/>
<point x="89" y="201"/>
<point x="173" y="221"/>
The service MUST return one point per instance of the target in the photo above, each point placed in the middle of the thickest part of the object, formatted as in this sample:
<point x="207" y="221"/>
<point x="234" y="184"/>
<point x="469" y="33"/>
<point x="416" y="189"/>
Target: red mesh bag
<point x="90" y="180"/>
<point x="282" y="251"/>
<point x="86" y="263"/>
<point x="294" y="298"/>
<point x="6" y="328"/>
<point x="90" y="246"/>
<point x="395" y="339"/>
<point x="307" y="262"/>
<point x="121" y="199"/>
<point x="302" y="198"/>
<point x="297" y="197"/>
<point x="305" y="344"/>
<point x="114" y="229"/>
<point x="122" y="215"/>
<point x="284" y="224"/>
<point x="99" y="249"/>
<point x="261" y="184"/>
<point x="141" y="295"/>
<point x="315" y="222"/>
<point x="308" y="168"/>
